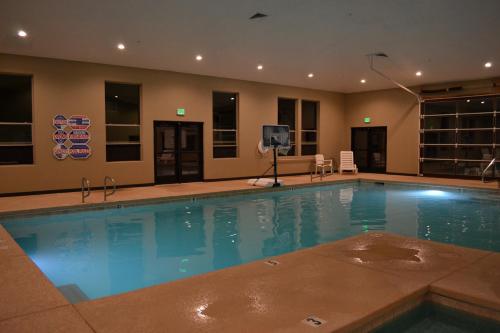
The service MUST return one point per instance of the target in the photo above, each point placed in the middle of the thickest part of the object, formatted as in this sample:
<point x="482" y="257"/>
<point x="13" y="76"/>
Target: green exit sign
<point x="181" y="112"/>
<point x="367" y="120"/>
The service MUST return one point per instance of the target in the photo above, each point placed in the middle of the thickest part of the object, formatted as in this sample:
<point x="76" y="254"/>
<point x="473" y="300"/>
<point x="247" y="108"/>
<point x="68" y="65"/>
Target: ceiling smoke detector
<point x="257" y="16"/>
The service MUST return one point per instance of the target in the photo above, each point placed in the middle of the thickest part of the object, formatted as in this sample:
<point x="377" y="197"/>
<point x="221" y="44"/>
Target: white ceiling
<point x="446" y="39"/>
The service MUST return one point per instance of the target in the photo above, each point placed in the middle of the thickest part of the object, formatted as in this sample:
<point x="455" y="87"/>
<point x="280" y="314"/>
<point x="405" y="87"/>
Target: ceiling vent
<point x="257" y="16"/>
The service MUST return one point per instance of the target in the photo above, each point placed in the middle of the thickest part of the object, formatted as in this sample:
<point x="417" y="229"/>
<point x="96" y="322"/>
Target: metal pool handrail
<point x="113" y="183"/>
<point x="483" y="174"/>
<point x="85" y="186"/>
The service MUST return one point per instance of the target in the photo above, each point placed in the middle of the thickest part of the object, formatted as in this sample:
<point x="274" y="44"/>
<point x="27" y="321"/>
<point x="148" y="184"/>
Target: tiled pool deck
<point x="351" y="285"/>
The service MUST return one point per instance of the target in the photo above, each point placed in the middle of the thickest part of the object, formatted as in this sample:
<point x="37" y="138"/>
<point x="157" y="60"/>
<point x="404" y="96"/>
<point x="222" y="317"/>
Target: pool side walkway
<point x="349" y="285"/>
<point x="72" y="199"/>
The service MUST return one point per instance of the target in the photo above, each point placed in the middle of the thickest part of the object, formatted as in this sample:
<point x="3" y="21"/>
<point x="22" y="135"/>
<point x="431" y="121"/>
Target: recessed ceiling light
<point x="482" y="102"/>
<point x="121" y="46"/>
<point x="363" y="81"/>
<point x="260" y="67"/>
<point x="468" y="101"/>
<point x="22" y="33"/>
<point x="419" y="73"/>
<point x="199" y="57"/>
<point x="310" y="75"/>
<point x="116" y="96"/>
<point x="488" y="64"/>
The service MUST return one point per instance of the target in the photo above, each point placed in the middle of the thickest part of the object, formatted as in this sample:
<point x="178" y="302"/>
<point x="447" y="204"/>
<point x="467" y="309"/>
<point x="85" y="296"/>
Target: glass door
<point x="178" y="152"/>
<point x="369" y="145"/>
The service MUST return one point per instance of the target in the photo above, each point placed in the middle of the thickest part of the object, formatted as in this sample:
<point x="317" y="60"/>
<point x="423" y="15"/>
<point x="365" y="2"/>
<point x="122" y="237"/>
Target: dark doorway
<point x="178" y="152"/>
<point x="369" y="145"/>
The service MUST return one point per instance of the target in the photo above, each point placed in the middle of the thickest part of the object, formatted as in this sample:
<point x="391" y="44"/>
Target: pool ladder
<point x="86" y="188"/>
<point x="483" y="174"/>
<point x="113" y="184"/>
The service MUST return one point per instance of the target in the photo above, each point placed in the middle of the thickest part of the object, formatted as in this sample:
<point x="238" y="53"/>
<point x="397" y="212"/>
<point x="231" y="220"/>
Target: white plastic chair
<point x="347" y="162"/>
<point x="322" y="164"/>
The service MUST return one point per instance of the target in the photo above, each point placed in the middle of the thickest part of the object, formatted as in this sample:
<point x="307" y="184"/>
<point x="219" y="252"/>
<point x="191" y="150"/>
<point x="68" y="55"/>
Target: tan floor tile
<point x="24" y="289"/>
<point x="412" y="258"/>
<point x="8" y="247"/>
<point x="59" y="320"/>
<point x="254" y="298"/>
<point x="478" y="283"/>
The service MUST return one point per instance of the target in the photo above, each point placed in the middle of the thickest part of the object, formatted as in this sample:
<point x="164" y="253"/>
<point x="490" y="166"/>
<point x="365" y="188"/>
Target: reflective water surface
<point x="104" y="252"/>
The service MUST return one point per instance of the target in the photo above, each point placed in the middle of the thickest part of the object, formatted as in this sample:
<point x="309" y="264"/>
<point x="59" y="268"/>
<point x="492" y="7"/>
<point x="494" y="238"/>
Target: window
<point x="309" y="132"/>
<point x="123" y="124"/>
<point x="16" y="145"/>
<point x="458" y="136"/>
<point x="286" y="116"/>
<point x="225" y="122"/>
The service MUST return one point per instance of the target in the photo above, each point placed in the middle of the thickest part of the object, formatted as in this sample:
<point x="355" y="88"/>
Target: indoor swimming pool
<point x="96" y="253"/>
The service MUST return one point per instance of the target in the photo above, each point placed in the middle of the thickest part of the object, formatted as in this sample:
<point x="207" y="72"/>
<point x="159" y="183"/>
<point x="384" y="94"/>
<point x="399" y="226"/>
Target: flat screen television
<point x="275" y="136"/>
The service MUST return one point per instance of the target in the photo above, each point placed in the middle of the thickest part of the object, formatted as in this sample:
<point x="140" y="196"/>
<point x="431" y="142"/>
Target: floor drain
<point x="272" y="262"/>
<point x="314" y="321"/>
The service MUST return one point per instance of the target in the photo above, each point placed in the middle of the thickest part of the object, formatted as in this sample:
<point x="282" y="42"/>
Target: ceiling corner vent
<point x="258" y="16"/>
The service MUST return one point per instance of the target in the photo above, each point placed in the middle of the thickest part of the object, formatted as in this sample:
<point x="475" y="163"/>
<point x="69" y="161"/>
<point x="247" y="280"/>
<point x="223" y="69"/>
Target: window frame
<point x="220" y="130"/>
<point x="30" y="124"/>
<point x="111" y="125"/>
<point x="316" y="130"/>
<point x="295" y="143"/>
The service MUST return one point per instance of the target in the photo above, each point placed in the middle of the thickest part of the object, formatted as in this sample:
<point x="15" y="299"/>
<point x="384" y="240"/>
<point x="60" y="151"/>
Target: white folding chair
<point x="347" y="162"/>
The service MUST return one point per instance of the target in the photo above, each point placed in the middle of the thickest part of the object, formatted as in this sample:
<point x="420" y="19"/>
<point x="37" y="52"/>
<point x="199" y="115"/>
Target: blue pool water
<point x="110" y="251"/>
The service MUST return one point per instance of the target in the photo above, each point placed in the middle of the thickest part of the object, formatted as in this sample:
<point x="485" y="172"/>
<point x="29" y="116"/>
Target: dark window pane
<point x="122" y="103"/>
<point x="15" y="133"/>
<point x="473" y="105"/>
<point x="439" y="152"/>
<point x="475" y="153"/>
<point x="309" y="115"/>
<point x="221" y="152"/>
<point x="444" y="122"/>
<point x="475" y="137"/>
<point x="438" y="167"/>
<point x="122" y="133"/>
<point x="16" y="155"/>
<point x="440" y="107"/>
<point x="292" y="137"/>
<point x="224" y="118"/>
<point x="470" y="168"/>
<point x="447" y="137"/>
<point x="475" y="121"/>
<point x="286" y="112"/>
<point x="308" y="149"/>
<point x="308" y="137"/>
<point x="15" y="98"/>
<point x="224" y="110"/>
<point x="224" y="138"/>
<point x="123" y="153"/>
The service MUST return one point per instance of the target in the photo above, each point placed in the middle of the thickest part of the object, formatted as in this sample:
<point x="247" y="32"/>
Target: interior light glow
<point x="488" y="64"/>
<point x="419" y="73"/>
<point x="363" y="81"/>
<point x="121" y="46"/>
<point x="260" y="67"/>
<point x="22" y="33"/>
<point x="199" y="57"/>
<point x="310" y="75"/>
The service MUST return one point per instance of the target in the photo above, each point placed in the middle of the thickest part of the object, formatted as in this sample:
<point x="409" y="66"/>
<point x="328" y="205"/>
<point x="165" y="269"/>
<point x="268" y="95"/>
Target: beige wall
<point x="66" y="87"/>
<point x="395" y="109"/>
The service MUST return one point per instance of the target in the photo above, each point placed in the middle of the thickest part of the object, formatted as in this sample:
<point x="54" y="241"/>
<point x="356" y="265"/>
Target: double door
<point x="369" y="145"/>
<point x="178" y="152"/>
